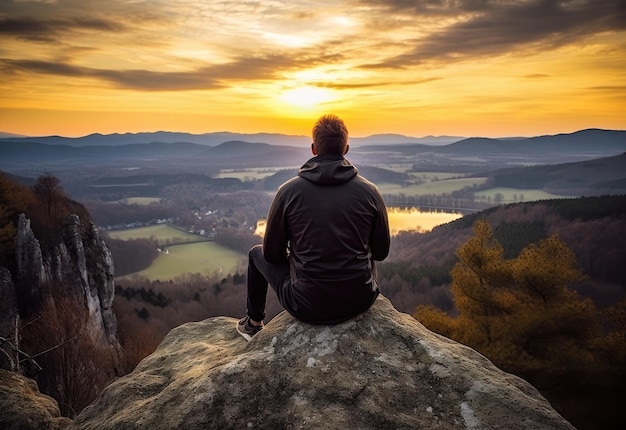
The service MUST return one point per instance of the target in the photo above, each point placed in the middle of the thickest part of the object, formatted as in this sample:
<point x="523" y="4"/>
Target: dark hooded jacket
<point x="330" y="223"/>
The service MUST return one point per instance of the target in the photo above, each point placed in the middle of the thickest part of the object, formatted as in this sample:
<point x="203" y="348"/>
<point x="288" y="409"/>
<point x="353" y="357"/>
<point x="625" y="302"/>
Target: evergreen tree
<point x="520" y="313"/>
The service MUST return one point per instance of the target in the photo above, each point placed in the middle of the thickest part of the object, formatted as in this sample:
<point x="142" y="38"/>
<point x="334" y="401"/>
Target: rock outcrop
<point x="380" y="370"/>
<point x="81" y="262"/>
<point x="24" y="407"/>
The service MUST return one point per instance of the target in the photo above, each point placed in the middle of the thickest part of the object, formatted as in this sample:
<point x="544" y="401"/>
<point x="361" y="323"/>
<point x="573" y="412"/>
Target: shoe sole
<point x="245" y="335"/>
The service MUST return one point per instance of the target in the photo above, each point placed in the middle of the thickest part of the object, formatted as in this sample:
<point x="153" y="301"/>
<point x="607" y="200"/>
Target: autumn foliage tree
<point x="519" y="312"/>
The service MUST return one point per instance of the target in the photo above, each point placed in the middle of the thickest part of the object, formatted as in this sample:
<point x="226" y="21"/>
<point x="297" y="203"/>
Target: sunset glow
<point x="490" y="68"/>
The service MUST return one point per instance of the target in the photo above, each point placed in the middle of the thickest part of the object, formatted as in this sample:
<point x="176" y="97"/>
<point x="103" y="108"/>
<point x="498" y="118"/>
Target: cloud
<point x="47" y="30"/>
<point x="488" y="28"/>
<point x="201" y="78"/>
<point x="163" y="45"/>
<point x="352" y="86"/>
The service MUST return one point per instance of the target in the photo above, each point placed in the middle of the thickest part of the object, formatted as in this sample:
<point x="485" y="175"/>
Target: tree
<point x="479" y="284"/>
<point x="49" y="191"/>
<point x="14" y="199"/>
<point x="75" y="366"/>
<point x="520" y="313"/>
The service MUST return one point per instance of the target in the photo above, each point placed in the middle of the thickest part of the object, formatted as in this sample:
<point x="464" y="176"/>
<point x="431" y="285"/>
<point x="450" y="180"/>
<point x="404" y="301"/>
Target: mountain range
<point x="216" y="138"/>
<point x="264" y="150"/>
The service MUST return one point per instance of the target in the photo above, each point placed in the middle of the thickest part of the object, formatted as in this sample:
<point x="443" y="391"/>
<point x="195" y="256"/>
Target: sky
<point x="492" y="68"/>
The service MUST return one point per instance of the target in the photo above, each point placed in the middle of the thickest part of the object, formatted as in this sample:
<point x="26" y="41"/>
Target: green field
<point x="207" y="258"/>
<point x="250" y="174"/>
<point x="446" y="186"/>
<point x="512" y="195"/>
<point x="435" y="176"/>
<point x="142" y="201"/>
<point x="162" y="233"/>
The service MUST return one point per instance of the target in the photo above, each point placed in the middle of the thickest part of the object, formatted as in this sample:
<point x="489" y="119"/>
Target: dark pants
<point x="260" y="273"/>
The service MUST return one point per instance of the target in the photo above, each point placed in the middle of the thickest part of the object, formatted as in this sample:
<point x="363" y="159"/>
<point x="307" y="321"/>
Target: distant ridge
<point x="263" y="150"/>
<point x="399" y="139"/>
<point x="583" y="140"/>
<point x="217" y="138"/>
<point x="454" y="143"/>
<point x="117" y="139"/>
<point x="4" y="135"/>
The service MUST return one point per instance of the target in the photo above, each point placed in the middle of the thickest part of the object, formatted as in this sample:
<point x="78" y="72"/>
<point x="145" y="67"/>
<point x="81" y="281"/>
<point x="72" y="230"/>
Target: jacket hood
<point x="328" y="170"/>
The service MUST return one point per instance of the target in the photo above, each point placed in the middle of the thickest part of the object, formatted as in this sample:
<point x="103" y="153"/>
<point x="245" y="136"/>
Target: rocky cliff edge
<point x="380" y="370"/>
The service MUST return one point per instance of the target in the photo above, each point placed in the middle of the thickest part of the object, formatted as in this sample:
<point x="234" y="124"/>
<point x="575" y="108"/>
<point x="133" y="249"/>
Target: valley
<point x="179" y="217"/>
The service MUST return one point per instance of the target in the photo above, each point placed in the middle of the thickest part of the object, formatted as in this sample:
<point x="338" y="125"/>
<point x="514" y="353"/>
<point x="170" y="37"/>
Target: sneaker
<point x="248" y="330"/>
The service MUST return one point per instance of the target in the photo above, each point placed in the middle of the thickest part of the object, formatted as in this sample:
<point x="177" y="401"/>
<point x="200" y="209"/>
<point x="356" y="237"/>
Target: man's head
<point x="330" y="136"/>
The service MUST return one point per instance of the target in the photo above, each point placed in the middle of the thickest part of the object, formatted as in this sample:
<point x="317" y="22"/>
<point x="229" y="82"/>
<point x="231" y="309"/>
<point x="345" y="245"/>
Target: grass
<point x="446" y="186"/>
<point x="207" y="258"/>
<point x="435" y="176"/>
<point x="162" y="233"/>
<point x="141" y="201"/>
<point x="250" y="174"/>
<point x="512" y="195"/>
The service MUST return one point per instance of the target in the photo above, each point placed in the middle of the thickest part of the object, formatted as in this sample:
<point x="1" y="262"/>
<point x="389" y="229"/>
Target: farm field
<point x="250" y="174"/>
<point x="163" y="233"/>
<point x="142" y="201"/>
<point x="446" y="186"/>
<point x="435" y="176"/>
<point x="206" y="258"/>
<point x="512" y="195"/>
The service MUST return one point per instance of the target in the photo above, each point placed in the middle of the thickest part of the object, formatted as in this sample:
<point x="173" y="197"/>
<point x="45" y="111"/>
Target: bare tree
<point x="48" y="189"/>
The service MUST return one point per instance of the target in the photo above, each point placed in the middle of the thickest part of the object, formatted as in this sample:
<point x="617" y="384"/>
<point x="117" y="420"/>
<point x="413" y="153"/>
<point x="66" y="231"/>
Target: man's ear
<point x="313" y="150"/>
<point x="346" y="151"/>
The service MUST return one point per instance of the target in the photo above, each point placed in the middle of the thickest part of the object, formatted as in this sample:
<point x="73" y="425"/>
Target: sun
<point x="307" y="96"/>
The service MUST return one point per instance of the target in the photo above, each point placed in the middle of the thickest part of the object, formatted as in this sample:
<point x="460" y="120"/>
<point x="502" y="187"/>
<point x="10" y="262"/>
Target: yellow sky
<point x="414" y="67"/>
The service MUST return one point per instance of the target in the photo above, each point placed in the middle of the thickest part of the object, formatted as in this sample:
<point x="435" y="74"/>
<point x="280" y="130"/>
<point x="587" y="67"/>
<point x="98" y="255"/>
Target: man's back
<point x="335" y="223"/>
<point x="324" y="230"/>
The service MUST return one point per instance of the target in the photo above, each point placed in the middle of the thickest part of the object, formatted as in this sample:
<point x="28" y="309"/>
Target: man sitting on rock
<point x="324" y="230"/>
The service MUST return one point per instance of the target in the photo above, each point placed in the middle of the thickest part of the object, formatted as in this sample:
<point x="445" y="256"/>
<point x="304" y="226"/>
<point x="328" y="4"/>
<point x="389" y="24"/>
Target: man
<point x="324" y="230"/>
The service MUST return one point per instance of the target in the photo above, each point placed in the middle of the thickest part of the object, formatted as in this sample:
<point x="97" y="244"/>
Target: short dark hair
<point x="330" y="135"/>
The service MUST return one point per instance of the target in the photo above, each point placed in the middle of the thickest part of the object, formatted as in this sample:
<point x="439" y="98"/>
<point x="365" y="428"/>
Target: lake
<point x="411" y="219"/>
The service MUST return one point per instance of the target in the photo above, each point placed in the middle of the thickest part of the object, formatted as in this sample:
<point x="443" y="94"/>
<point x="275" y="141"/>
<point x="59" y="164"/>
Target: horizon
<point x="418" y="69"/>
<point x="9" y="135"/>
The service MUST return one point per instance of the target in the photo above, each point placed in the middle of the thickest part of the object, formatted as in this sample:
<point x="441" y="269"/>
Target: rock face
<point x="25" y="408"/>
<point x="81" y="262"/>
<point x="380" y="370"/>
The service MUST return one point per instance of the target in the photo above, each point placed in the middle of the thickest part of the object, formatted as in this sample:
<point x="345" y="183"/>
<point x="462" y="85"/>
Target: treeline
<point x="130" y="256"/>
<point x="113" y="188"/>
<point x="148" y="296"/>
<point x="117" y="213"/>
<point x="457" y="200"/>
<point x="46" y="205"/>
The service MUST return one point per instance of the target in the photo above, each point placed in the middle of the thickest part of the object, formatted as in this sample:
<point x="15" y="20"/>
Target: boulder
<point x="380" y="370"/>
<point x="23" y="407"/>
